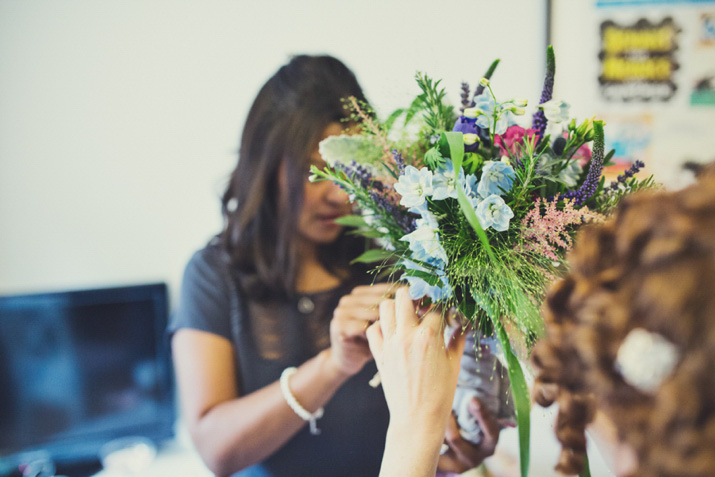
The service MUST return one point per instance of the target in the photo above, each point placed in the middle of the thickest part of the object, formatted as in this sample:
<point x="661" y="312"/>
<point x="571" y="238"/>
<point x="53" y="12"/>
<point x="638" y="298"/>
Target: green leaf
<point x="488" y="74"/>
<point x="520" y="393"/>
<point x="372" y="256"/>
<point x="367" y="233"/>
<point x="415" y="107"/>
<point x="586" y="472"/>
<point x="393" y="117"/>
<point x="430" y="278"/>
<point x="492" y="67"/>
<point x="433" y="159"/>
<point x="456" y="147"/>
<point x="607" y="160"/>
<point x="351" y="221"/>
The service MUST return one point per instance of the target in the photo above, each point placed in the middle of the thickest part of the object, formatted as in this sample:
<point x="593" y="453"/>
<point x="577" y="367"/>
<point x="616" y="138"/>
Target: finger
<point x="358" y="310"/>
<point x="375" y="341"/>
<point x="433" y="320"/>
<point x="405" y="316"/>
<point x="464" y="452"/>
<point x="387" y="317"/>
<point x="384" y="290"/>
<point x="356" y="347"/>
<point x="450" y="464"/>
<point x="350" y="328"/>
<point x="456" y="343"/>
<point x="487" y="422"/>
<point x="364" y="301"/>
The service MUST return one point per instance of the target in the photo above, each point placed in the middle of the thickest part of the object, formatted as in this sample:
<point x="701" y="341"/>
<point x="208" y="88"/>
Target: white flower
<point x="414" y="186"/>
<point x="556" y="113"/>
<point x="445" y="182"/>
<point x="645" y="359"/>
<point x="424" y="241"/>
<point x="493" y="212"/>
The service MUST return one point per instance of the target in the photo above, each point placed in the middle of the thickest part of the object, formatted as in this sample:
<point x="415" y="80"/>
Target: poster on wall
<point x="703" y="92"/>
<point x="647" y="67"/>
<point x="638" y="61"/>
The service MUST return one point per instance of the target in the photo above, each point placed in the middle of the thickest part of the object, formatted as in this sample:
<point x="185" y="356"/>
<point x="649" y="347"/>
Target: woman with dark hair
<point x="270" y="330"/>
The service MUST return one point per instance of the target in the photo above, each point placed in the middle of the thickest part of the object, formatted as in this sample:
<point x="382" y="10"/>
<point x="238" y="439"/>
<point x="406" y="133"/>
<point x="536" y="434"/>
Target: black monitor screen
<point x="80" y="368"/>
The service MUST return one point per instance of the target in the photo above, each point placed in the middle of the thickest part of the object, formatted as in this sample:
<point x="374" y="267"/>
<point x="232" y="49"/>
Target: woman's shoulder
<point x="212" y="254"/>
<point x="210" y="264"/>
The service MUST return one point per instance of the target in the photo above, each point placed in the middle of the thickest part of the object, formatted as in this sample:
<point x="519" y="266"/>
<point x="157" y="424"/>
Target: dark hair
<point x="283" y="127"/>
<point x="651" y="266"/>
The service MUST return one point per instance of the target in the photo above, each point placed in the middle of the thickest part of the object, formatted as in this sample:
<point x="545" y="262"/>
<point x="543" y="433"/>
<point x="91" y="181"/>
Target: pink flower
<point x="548" y="233"/>
<point x="583" y="155"/>
<point x="509" y="142"/>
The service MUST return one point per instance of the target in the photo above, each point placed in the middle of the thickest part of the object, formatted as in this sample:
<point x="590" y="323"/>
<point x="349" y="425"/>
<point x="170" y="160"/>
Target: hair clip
<point x="645" y="359"/>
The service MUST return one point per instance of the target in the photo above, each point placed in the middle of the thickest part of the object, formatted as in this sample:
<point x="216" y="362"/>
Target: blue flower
<point x="489" y="109"/>
<point x="470" y="189"/>
<point x="424" y="241"/>
<point x="414" y="186"/>
<point x="445" y="181"/>
<point x="419" y="287"/>
<point x="497" y="178"/>
<point x="493" y="212"/>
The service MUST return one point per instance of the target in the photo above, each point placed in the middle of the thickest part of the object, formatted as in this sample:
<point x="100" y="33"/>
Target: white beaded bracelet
<point x="293" y="403"/>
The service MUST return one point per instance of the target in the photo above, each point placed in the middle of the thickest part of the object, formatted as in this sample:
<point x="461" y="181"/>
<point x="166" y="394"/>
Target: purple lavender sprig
<point x="404" y="219"/>
<point x="590" y="185"/>
<point x="358" y="172"/>
<point x="399" y="160"/>
<point x="630" y="172"/>
<point x="538" y="121"/>
<point x="375" y="188"/>
<point x="464" y="95"/>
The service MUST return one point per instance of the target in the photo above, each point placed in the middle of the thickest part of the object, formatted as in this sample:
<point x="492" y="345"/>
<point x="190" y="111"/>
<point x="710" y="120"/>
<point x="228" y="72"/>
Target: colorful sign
<point x="638" y="60"/>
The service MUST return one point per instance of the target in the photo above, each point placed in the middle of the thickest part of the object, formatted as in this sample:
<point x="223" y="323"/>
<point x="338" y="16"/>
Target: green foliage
<point x="434" y="159"/>
<point x="609" y="199"/>
<point x="373" y="255"/>
<point x="438" y="116"/>
<point x="344" y="149"/>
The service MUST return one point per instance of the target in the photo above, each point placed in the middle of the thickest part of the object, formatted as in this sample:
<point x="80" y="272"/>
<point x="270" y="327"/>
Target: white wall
<point x="119" y="119"/>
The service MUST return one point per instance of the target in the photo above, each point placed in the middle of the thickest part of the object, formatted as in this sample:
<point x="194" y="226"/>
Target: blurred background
<point x="120" y="120"/>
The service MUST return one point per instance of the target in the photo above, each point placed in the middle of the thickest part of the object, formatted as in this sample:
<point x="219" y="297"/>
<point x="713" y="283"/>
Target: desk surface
<point x="173" y="458"/>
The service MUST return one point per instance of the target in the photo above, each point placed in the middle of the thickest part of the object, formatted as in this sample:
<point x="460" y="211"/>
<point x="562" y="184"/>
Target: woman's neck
<point x="312" y="275"/>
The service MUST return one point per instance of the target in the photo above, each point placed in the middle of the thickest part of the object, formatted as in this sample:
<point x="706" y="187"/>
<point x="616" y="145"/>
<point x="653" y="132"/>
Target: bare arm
<point x="231" y="431"/>
<point x="419" y="376"/>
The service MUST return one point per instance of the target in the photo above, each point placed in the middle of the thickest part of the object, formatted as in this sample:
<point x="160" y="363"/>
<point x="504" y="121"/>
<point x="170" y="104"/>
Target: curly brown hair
<point x="650" y="266"/>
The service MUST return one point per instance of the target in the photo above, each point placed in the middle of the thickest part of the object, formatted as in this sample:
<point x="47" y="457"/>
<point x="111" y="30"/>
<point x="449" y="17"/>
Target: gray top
<point x="271" y="337"/>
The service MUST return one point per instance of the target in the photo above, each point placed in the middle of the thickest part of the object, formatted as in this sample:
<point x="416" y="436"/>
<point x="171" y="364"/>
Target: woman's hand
<point x="461" y="454"/>
<point x="419" y="376"/>
<point x="354" y="313"/>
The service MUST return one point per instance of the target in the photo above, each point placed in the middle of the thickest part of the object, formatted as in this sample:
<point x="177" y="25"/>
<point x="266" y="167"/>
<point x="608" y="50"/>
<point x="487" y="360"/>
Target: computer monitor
<point x="80" y="368"/>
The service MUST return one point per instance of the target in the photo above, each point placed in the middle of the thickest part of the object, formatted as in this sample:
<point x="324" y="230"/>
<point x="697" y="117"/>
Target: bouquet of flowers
<point x="477" y="210"/>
